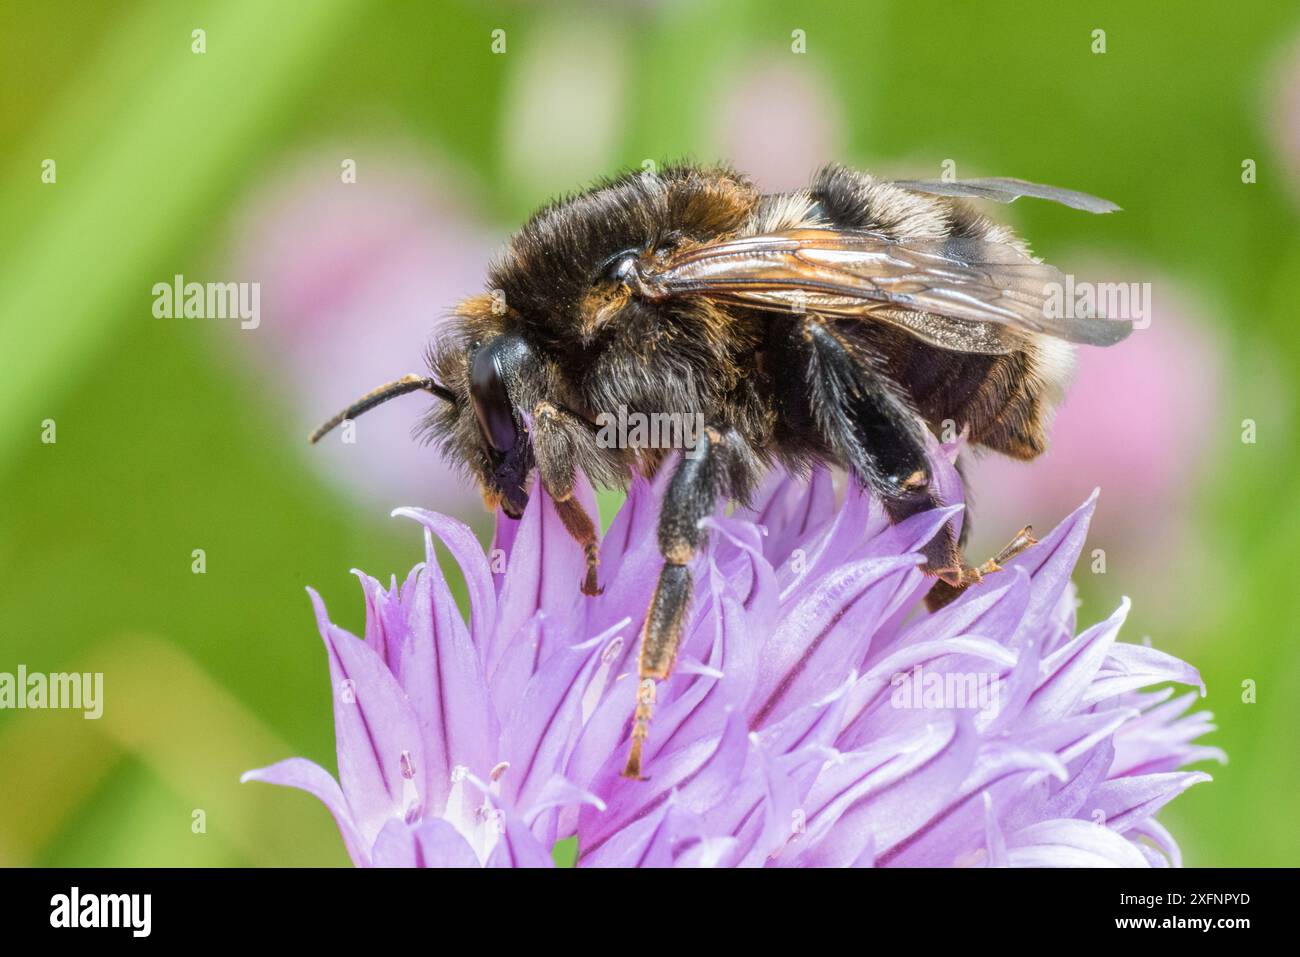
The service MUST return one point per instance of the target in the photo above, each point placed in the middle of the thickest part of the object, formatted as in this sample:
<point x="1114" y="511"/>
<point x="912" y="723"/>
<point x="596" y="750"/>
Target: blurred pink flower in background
<point x="778" y="124"/>
<point x="1139" y="420"/>
<point x="1286" y="113"/>
<point x="355" y="278"/>
<point x="564" y="106"/>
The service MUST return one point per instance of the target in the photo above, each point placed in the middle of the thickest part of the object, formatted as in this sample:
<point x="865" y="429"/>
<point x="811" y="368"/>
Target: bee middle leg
<point x="692" y="494"/>
<point x="556" y="433"/>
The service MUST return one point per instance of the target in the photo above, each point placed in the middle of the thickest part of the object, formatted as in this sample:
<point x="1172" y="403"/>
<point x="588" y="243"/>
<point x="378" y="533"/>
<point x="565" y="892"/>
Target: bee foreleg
<point x="555" y="436"/>
<point x="691" y="497"/>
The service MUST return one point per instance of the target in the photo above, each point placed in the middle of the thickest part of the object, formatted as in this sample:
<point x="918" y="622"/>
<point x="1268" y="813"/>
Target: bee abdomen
<point x="1000" y="399"/>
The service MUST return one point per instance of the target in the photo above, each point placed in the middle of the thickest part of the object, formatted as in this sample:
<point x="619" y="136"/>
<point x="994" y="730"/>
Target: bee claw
<point x="949" y="576"/>
<point x="632" y="770"/>
<point x="645" y="702"/>
<point x="962" y="576"/>
<point x="590" y="586"/>
<point x="1023" y="541"/>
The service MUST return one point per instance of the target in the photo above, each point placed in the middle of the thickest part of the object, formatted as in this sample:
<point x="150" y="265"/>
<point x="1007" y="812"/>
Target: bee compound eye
<point x="492" y="406"/>
<point x="621" y="267"/>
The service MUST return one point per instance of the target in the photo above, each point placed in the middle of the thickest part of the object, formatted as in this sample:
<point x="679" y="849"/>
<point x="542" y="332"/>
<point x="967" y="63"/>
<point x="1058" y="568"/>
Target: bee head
<point x="566" y="318"/>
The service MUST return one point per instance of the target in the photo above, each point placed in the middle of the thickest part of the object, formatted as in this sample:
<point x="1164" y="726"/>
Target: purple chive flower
<point x="817" y="716"/>
<point x="1284" y="107"/>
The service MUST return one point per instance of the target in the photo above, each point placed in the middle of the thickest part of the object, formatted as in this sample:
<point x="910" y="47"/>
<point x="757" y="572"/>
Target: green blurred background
<point x="177" y="435"/>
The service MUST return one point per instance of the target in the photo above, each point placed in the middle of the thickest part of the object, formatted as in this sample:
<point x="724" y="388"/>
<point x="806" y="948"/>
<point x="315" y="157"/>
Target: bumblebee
<point x="829" y="325"/>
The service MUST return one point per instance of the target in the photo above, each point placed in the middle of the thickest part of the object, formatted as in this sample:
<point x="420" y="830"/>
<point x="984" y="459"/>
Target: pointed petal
<point x="993" y="610"/>
<point x="469" y="557"/>
<point x="545" y="573"/>
<point x="559" y="792"/>
<point x="384" y="618"/>
<point x="893" y="679"/>
<point x="953" y="836"/>
<point x="858" y="520"/>
<point x="442" y="673"/>
<point x="633" y="528"/>
<point x="429" y="843"/>
<point x="1160" y="740"/>
<point x="316" y="781"/>
<point x="708" y="852"/>
<point x="702" y="773"/>
<point x="504" y="533"/>
<point x="813" y="647"/>
<point x="653" y="841"/>
<point x="791" y="510"/>
<point x="995" y="842"/>
<point x="1163" y="839"/>
<point x="539" y="733"/>
<point x="380" y="749"/>
<point x="1068" y="671"/>
<point x="1129" y="667"/>
<point x="1071" y="843"/>
<point x="1073" y="736"/>
<point x="884" y="793"/>
<point x="518" y="848"/>
<point x="1130" y="800"/>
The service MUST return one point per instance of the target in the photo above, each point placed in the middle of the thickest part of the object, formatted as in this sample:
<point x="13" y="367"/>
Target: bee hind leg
<point x="955" y="579"/>
<point x="691" y="497"/>
<point x="867" y="422"/>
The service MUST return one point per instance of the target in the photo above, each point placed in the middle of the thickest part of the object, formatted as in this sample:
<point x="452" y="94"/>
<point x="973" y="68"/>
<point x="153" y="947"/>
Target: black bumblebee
<point x="831" y="324"/>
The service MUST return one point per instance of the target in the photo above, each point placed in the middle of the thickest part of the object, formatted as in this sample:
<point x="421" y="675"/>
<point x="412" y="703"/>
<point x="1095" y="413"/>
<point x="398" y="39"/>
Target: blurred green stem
<point x="82" y="262"/>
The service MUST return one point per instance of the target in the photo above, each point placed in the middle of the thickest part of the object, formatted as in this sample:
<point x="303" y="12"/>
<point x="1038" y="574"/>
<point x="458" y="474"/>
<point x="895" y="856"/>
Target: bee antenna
<point x="407" y="383"/>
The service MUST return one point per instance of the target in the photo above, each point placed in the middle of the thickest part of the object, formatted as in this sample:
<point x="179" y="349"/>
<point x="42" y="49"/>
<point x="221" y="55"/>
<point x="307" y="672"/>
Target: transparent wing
<point x="1002" y="189"/>
<point x="961" y="294"/>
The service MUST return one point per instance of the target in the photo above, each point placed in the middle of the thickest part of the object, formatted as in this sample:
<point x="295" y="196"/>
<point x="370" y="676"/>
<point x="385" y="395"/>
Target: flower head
<point x="817" y="716"/>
